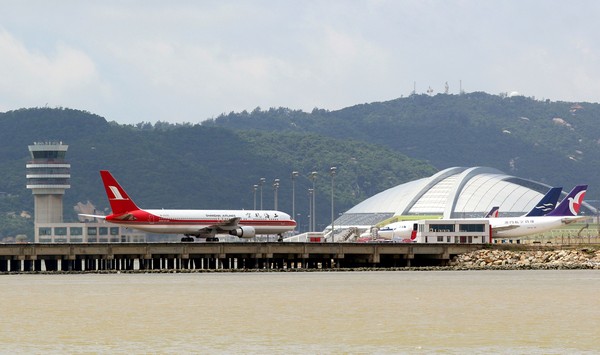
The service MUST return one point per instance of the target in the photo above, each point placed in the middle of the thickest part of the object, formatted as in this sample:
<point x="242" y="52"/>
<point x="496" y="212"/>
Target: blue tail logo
<point x="546" y="204"/>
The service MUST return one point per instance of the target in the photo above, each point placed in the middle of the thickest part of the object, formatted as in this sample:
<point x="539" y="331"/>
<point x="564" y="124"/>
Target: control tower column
<point x="48" y="176"/>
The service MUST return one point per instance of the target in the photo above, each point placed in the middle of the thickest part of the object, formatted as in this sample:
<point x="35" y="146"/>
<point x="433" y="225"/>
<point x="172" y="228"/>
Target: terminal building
<point x="457" y="192"/>
<point x="48" y="176"/>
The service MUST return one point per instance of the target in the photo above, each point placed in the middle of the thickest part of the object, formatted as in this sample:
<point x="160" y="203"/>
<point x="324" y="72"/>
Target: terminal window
<point x="48" y="154"/>
<point x="471" y="227"/>
<point x="441" y="227"/>
<point x="114" y="230"/>
<point x="60" y="230"/>
<point x="76" y="231"/>
<point x="103" y="230"/>
<point x="92" y="231"/>
<point x="45" y="231"/>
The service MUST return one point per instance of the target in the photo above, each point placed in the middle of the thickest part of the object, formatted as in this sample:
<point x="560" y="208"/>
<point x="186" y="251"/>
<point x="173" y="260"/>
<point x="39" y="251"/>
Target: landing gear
<point x="212" y="239"/>
<point x="280" y="239"/>
<point x="187" y="239"/>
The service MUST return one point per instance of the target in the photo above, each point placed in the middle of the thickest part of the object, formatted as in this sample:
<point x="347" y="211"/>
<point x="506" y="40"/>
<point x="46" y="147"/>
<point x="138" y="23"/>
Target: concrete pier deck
<point x="213" y="256"/>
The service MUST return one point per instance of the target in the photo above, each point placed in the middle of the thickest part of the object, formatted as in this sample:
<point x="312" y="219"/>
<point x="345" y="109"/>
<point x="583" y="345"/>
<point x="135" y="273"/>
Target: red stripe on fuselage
<point x="115" y="219"/>
<point x="141" y="218"/>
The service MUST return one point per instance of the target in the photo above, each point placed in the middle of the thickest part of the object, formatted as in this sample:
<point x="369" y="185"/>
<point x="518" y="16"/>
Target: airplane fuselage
<point x="398" y="230"/>
<point x="502" y="227"/>
<point x="527" y="225"/>
<point x="193" y="221"/>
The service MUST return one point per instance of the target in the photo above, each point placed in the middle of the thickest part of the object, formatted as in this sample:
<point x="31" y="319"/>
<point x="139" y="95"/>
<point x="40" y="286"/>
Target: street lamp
<point x="255" y="187"/>
<point x="294" y="174"/>
<point x="275" y="188"/>
<point x="261" y="183"/>
<point x="313" y="177"/>
<point x="332" y="171"/>
<point x="310" y="206"/>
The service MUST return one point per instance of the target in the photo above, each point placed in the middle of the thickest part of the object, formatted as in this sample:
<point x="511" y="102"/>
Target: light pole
<point x="332" y="171"/>
<point x="313" y="177"/>
<point x="261" y="183"/>
<point x="294" y="174"/>
<point x="255" y="187"/>
<point x="275" y="188"/>
<point x="310" y="202"/>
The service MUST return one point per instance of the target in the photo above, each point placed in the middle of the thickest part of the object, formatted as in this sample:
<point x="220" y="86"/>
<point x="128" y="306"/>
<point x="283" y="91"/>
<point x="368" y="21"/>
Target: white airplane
<point x="191" y="223"/>
<point x="565" y="213"/>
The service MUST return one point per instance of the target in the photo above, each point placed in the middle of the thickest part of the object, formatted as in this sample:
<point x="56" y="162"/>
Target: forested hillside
<point x="553" y="142"/>
<point x="374" y="146"/>
<point x="192" y="166"/>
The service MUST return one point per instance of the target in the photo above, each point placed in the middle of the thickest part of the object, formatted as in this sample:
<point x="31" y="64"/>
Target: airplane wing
<point x="125" y="217"/>
<point x="568" y="220"/>
<point x="225" y="225"/>
<point x="504" y="227"/>
<point x="91" y="215"/>
<point x="218" y="228"/>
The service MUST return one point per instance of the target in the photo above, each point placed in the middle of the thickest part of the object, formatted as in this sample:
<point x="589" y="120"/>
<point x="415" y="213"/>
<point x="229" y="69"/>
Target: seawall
<point x="529" y="258"/>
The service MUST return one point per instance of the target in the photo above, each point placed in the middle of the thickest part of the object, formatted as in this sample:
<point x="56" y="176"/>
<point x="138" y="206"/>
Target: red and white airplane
<point x="191" y="223"/>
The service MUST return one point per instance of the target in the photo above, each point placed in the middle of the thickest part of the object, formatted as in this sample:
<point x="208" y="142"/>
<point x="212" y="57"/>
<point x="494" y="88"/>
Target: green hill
<point x="192" y="166"/>
<point x="374" y="146"/>
<point x="553" y="142"/>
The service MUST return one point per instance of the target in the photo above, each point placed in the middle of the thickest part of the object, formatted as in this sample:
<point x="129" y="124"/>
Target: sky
<point x="187" y="61"/>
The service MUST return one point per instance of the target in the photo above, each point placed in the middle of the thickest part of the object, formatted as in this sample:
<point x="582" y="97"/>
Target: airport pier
<point x="93" y="257"/>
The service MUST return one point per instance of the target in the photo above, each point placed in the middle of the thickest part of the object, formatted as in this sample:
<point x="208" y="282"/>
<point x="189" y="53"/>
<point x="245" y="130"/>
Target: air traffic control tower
<point x="48" y="176"/>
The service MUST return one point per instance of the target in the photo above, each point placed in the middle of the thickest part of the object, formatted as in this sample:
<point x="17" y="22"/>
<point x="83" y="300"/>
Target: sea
<point x="359" y="312"/>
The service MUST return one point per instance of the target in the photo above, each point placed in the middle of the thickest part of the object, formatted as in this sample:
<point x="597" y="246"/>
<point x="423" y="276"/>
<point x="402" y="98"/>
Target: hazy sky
<point x="186" y="61"/>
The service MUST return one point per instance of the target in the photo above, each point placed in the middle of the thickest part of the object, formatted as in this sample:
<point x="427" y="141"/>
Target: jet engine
<point x="243" y="232"/>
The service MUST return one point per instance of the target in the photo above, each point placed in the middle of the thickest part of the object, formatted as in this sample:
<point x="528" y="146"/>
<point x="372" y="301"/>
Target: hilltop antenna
<point x="446" y="88"/>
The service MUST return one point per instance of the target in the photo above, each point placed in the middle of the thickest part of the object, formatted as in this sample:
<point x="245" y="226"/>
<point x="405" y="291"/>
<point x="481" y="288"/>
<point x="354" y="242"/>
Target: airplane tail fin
<point x="117" y="197"/>
<point x="571" y="204"/>
<point x="546" y="204"/>
<point x="493" y="213"/>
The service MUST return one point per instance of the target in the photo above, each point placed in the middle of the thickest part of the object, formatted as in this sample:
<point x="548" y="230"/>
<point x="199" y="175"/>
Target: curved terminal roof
<point x="452" y="193"/>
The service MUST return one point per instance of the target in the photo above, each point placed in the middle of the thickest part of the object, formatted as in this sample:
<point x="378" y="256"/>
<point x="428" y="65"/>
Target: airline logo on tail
<point x="116" y="193"/>
<point x="575" y="202"/>
<point x="546" y="207"/>
<point x="119" y="201"/>
<point x="546" y="204"/>
<point x="493" y="213"/>
<point x="571" y="204"/>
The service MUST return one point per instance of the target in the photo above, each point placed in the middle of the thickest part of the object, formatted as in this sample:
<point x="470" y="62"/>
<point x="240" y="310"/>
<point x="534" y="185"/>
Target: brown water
<point x="445" y="312"/>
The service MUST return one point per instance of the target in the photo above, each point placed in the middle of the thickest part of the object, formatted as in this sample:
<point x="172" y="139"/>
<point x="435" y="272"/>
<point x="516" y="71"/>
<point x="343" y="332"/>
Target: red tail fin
<point x="117" y="197"/>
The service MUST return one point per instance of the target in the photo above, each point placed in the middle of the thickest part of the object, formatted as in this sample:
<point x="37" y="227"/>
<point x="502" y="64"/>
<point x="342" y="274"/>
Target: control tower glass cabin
<point x="48" y="176"/>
